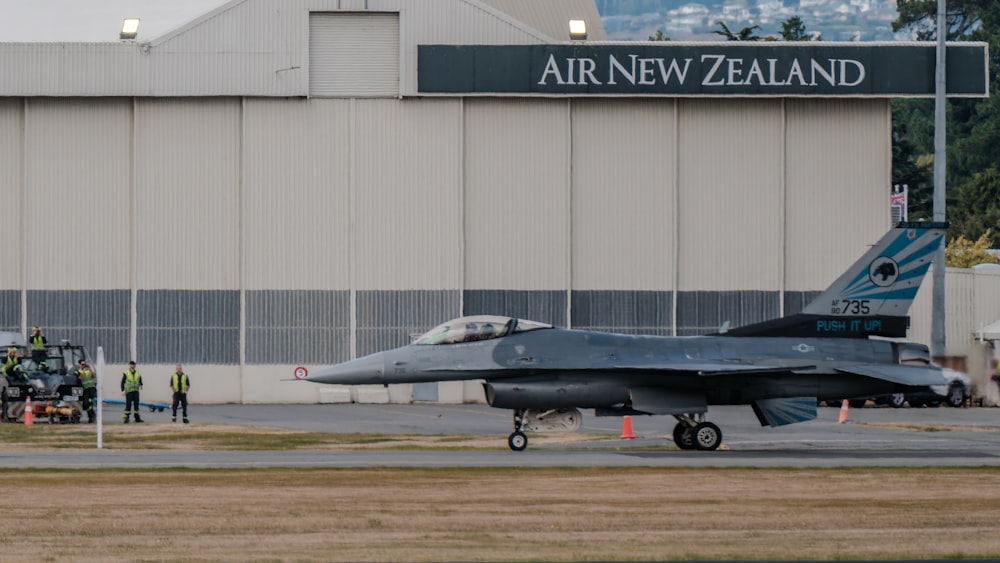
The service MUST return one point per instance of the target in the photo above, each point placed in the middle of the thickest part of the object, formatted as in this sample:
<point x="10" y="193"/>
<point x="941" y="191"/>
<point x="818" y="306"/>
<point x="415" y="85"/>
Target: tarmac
<point x="871" y="437"/>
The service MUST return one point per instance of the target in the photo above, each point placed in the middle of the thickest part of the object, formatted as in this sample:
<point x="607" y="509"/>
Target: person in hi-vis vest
<point x="179" y="384"/>
<point x="131" y="385"/>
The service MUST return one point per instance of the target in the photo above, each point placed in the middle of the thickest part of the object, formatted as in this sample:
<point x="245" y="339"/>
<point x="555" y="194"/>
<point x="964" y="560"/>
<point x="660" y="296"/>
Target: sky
<point x="72" y="21"/>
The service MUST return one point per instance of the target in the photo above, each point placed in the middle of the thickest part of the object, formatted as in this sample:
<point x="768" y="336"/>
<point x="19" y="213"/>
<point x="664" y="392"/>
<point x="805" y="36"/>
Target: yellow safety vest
<point x="133" y="381"/>
<point x="87" y="378"/>
<point x="179" y="386"/>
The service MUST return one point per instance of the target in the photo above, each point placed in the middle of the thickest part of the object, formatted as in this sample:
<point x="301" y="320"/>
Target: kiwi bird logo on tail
<point x="883" y="271"/>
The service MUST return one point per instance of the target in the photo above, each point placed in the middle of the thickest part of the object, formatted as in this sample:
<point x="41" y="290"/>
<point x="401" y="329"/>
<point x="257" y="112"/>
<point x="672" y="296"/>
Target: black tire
<point x="857" y="403"/>
<point x="684" y="436"/>
<point x="707" y="436"/>
<point x="517" y="441"/>
<point x="956" y="396"/>
<point x="896" y="400"/>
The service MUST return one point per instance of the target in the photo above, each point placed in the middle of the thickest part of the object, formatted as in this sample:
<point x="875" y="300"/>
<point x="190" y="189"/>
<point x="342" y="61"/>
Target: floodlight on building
<point x="577" y="30"/>
<point x="130" y="28"/>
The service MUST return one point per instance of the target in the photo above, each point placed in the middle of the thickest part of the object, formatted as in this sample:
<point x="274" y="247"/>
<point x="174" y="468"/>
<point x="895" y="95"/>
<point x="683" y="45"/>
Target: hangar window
<point x="354" y="55"/>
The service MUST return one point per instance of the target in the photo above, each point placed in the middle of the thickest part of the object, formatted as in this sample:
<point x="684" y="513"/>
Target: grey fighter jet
<point x="840" y="346"/>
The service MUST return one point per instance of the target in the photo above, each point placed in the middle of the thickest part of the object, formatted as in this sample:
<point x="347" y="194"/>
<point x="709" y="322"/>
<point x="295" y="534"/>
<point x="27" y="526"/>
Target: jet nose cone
<point x="361" y="371"/>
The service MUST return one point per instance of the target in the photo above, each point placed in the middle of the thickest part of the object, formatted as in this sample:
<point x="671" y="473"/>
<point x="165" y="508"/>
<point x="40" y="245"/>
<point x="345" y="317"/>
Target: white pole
<point x="100" y="398"/>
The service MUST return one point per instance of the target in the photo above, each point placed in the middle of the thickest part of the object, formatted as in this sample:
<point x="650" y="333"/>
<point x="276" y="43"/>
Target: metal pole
<point x="100" y="398"/>
<point x="937" y="313"/>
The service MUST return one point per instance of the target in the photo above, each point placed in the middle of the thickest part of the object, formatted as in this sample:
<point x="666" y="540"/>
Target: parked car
<point x="953" y="394"/>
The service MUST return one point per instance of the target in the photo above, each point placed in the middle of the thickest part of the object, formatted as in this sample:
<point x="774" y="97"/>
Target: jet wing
<point x="903" y="375"/>
<point x="706" y="368"/>
<point x="715" y="368"/>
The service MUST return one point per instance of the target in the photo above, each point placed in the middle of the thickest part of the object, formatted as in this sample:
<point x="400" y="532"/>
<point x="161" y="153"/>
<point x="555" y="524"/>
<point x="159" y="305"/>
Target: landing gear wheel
<point x="684" y="436"/>
<point x="896" y="400"/>
<point x="956" y="396"/>
<point x="517" y="441"/>
<point x="707" y="436"/>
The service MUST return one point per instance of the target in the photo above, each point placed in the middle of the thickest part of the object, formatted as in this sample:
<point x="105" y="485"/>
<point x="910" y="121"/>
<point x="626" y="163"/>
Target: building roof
<point x="99" y="21"/>
<point x="93" y="21"/>
<point x="239" y="47"/>
<point x="551" y="17"/>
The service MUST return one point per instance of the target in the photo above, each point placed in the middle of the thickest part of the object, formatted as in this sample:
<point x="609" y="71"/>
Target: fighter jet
<point x="840" y="346"/>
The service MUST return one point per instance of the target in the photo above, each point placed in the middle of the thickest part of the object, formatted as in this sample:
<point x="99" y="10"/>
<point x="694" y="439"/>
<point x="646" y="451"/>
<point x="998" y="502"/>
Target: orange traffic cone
<point x="29" y="415"/>
<point x="843" y="413"/>
<point x="627" y="433"/>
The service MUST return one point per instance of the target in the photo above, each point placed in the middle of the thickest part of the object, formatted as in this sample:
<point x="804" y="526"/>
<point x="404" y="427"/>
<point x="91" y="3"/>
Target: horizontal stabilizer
<point x="902" y="375"/>
<point x="779" y="412"/>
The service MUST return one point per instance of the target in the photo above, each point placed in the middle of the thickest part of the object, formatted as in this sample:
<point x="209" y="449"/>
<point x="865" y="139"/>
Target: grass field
<point x="567" y="514"/>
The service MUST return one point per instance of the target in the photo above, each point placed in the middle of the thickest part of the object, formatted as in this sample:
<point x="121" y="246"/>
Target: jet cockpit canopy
<point x="476" y="328"/>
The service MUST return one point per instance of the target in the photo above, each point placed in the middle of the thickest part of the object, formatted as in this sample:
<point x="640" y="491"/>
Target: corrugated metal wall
<point x="624" y="194"/>
<point x="12" y="209"/>
<point x="251" y="234"/>
<point x="296" y="197"/>
<point x="186" y="208"/>
<point x="77" y="188"/>
<point x="517" y="194"/>
<point x="838" y="166"/>
<point x="408" y="161"/>
<point x="972" y="299"/>
<point x="731" y="191"/>
<point x="310" y="231"/>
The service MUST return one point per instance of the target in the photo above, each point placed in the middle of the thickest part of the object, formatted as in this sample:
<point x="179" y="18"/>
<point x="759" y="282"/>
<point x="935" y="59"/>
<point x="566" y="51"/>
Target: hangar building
<point x="298" y="182"/>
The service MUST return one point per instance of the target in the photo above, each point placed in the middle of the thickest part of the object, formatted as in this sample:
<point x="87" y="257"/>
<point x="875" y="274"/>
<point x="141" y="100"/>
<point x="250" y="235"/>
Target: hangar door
<point x="353" y="55"/>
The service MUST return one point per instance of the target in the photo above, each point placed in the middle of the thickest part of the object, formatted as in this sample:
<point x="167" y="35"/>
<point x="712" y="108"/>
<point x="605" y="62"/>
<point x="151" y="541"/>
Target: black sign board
<point x="705" y="69"/>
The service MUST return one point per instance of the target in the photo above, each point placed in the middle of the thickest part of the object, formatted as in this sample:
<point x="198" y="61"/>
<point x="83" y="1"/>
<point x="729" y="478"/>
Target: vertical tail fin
<point x="885" y="280"/>
<point x="873" y="296"/>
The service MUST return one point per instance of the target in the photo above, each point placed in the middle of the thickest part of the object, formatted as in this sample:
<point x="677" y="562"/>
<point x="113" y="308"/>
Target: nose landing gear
<point x="518" y="440"/>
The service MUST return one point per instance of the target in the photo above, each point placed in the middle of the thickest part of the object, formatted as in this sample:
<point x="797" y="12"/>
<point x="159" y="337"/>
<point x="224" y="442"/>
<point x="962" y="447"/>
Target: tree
<point x="659" y="36"/>
<point x="963" y="253"/>
<point x="961" y="17"/>
<point x="913" y="154"/>
<point x="973" y="125"/>
<point x="979" y="200"/>
<point x="793" y="29"/>
<point x="745" y="34"/>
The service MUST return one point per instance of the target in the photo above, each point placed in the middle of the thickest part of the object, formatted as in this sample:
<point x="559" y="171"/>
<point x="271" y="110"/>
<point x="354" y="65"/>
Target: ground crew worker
<point x="180" y="383"/>
<point x="89" y="382"/>
<point x="11" y="361"/>
<point x="37" y="342"/>
<point x="131" y="385"/>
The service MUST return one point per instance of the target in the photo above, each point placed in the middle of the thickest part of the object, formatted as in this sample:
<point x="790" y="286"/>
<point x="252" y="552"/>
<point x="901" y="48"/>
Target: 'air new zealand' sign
<point x="747" y="69"/>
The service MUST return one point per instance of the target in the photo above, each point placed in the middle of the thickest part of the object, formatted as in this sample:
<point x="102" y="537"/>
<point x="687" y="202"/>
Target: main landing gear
<point x="518" y="440"/>
<point x="693" y="432"/>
